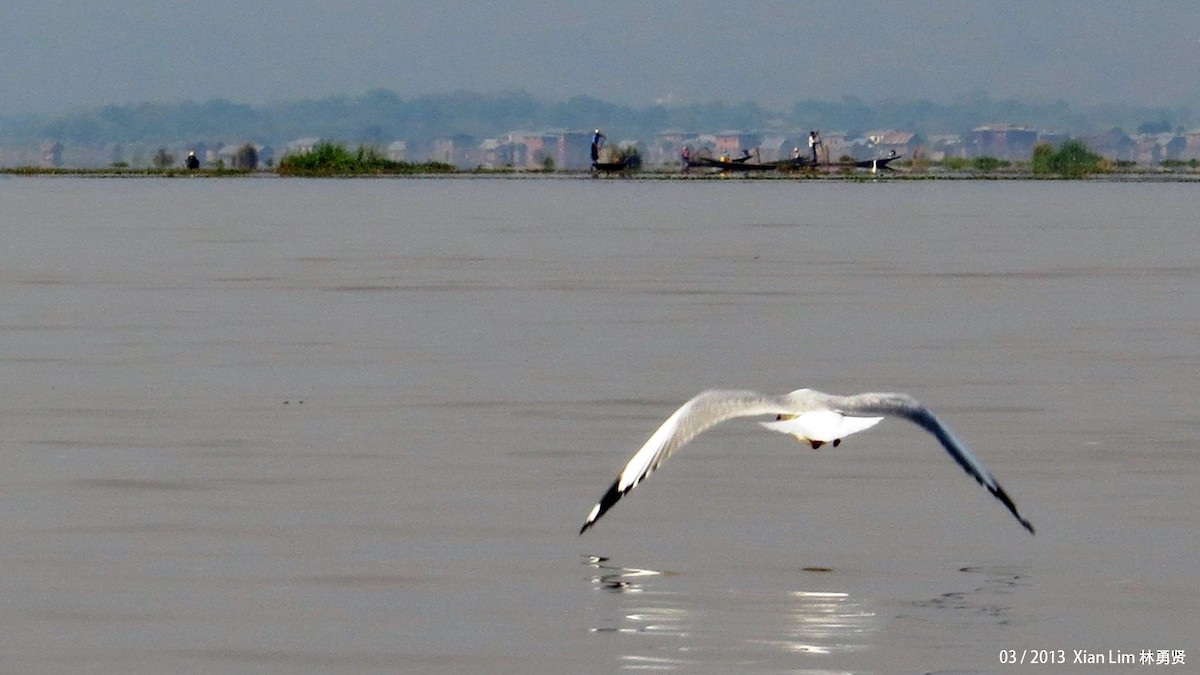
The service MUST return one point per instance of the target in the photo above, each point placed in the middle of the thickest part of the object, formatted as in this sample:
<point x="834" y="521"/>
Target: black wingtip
<point x="1008" y="502"/>
<point x="587" y="525"/>
<point x="606" y="502"/>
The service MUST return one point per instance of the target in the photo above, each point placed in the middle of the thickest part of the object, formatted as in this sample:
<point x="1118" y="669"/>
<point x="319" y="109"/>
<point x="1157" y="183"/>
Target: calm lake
<point x="354" y="426"/>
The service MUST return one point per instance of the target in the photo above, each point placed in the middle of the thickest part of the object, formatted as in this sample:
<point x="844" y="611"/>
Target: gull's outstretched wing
<point x="902" y="405"/>
<point x="704" y="411"/>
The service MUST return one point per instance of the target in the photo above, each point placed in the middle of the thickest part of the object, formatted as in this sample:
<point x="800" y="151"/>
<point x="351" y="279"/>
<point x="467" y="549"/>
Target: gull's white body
<point x="811" y="416"/>
<point x="821" y="426"/>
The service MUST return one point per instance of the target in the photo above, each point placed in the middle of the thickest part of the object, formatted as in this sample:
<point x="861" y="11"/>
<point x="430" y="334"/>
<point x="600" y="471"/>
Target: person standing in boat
<point x="814" y="141"/>
<point x="597" y="143"/>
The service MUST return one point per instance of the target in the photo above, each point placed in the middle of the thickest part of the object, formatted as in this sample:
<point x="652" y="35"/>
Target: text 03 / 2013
<point x="1033" y="656"/>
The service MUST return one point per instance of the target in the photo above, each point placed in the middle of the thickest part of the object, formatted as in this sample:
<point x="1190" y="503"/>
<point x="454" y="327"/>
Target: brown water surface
<point x="277" y="426"/>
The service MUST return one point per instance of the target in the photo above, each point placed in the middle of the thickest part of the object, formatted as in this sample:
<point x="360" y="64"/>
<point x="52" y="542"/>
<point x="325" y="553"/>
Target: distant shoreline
<point x="1145" y="176"/>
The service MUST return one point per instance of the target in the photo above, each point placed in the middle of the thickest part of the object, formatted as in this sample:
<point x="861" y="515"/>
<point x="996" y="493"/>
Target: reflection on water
<point x="658" y="613"/>
<point x="651" y="612"/>
<point x="618" y="579"/>
<point x="984" y="601"/>
<point x="825" y="622"/>
<point x="819" y="623"/>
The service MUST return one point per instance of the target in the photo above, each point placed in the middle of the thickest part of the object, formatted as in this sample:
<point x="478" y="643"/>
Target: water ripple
<point x="744" y="626"/>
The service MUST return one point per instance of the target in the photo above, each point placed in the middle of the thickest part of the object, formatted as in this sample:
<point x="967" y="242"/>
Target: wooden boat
<point x="743" y="164"/>
<point x="878" y="163"/>
<point x="626" y="164"/>
<point x="796" y="164"/>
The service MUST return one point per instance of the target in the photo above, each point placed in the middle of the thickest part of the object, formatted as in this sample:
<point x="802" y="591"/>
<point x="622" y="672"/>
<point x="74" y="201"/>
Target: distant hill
<point x="379" y="117"/>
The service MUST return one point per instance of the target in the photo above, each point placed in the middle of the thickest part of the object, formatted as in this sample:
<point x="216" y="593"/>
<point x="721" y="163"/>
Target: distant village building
<point x="569" y="150"/>
<point x="834" y="145"/>
<point x="941" y="147"/>
<point x="1158" y="148"/>
<point x="536" y="149"/>
<point x="1113" y="144"/>
<point x="458" y="150"/>
<point x="514" y="151"/>
<point x="1004" y="141"/>
<point x="1191" y="146"/>
<point x="492" y="154"/>
<point x="771" y="147"/>
<point x="573" y="150"/>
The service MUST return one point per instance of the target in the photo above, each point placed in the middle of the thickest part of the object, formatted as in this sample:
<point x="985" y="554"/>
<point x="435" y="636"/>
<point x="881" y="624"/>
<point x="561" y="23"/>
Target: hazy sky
<point x="63" y="55"/>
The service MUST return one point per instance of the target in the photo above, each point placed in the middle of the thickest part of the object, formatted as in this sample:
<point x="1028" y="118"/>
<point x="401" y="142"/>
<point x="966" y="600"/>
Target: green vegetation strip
<point x="332" y="159"/>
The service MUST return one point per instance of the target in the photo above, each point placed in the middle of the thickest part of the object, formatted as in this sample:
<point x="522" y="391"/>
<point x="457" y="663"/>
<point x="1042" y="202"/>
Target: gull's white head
<point x="806" y="398"/>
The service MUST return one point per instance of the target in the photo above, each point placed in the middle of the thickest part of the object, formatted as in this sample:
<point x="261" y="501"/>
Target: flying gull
<point x="813" y="417"/>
